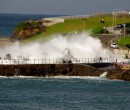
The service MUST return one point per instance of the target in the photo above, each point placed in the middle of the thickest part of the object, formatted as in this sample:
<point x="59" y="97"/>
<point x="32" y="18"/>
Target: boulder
<point x="126" y="75"/>
<point x="28" y="29"/>
<point x="120" y="74"/>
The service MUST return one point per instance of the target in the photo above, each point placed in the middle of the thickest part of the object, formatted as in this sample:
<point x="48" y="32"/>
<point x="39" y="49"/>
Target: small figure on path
<point x="100" y="59"/>
<point x="102" y="20"/>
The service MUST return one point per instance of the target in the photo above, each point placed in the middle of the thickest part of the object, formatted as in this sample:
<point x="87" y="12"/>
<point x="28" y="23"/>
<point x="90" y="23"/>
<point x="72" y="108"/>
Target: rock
<point x="26" y="33"/>
<point x="126" y="75"/>
<point x="119" y="74"/>
<point x="86" y="70"/>
<point x="28" y="29"/>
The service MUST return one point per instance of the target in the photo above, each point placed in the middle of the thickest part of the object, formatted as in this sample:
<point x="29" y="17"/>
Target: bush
<point x="21" y="26"/>
<point x="128" y="45"/>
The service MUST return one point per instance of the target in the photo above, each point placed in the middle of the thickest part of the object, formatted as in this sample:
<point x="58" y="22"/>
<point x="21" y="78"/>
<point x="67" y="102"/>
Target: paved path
<point x="106" y="38"/>
<point x="5" y="41"/>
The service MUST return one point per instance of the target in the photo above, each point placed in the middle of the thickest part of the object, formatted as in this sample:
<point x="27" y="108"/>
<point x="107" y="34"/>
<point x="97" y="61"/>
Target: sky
<point x="62" y="7"/>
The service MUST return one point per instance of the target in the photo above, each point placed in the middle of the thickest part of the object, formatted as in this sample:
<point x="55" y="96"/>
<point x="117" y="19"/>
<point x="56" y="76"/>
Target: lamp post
<point x="124" y="25"/>
<point x="116" y="38"/>
<point x="114" y="20"/>
<point x="83" y="24"/>
<point x="124" y="30"/>
<point x="117" y="12"/>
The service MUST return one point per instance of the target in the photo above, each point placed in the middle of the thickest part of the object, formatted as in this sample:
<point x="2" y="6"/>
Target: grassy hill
<point x="76" y="25"/>
<point x="123" y="41"/>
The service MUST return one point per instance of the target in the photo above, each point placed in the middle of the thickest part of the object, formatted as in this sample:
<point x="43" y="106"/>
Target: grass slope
<point x="76" y="25"/>
<point x="123" y="41"/>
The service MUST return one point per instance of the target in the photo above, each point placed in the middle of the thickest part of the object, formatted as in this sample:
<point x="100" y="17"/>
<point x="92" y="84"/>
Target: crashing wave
<point x="103" y="75"/>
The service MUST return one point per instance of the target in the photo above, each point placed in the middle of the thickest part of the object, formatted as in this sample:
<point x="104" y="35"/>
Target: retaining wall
<point x="49" y="70"/>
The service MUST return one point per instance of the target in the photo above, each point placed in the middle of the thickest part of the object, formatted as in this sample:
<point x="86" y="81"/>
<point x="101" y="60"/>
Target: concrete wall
<point x="122" y="52"/>
<point x="49" y="70"/>
<point x="52" y="21"/>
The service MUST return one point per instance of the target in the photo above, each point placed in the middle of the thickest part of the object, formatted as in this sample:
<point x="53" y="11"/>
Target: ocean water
<point x="9" y="21"/>
<point x="63" y="93"/>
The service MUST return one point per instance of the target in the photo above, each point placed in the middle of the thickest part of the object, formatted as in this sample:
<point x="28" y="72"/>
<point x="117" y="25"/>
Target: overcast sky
<point x="62" y="7"/>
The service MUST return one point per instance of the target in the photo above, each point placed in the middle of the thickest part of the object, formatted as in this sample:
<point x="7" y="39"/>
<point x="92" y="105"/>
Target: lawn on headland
<point x="77" y="25"/>
<point x="123" y="41"/>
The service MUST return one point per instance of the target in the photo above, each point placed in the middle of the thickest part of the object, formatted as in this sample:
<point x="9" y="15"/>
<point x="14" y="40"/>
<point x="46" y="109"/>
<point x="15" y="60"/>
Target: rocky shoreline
<point x="44" y="70"/>
<point x="119" y="74"/>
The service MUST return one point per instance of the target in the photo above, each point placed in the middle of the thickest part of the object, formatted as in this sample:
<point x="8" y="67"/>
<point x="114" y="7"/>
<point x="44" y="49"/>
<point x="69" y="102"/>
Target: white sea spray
<point x="79" y="46"/>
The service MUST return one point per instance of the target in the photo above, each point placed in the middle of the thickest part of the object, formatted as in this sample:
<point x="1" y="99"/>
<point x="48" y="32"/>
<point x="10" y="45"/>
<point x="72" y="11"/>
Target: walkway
<point x="55" y="61"/>
<point x="5" y="41"/>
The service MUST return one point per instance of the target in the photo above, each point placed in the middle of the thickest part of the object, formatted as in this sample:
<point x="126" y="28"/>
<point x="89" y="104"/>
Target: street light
<point x="114" y="20"/>
<point x="119" y="11"/>
<point x="124" y="30"/>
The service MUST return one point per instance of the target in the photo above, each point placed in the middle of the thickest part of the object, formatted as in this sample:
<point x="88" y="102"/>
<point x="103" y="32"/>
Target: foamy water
<point x="77" y="46"/>
<point x="101" y="77"/>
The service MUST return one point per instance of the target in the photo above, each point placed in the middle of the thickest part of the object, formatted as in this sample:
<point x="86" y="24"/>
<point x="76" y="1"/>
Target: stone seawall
<point x="49" y="70"/>
<point x="86" y="70"/>
<point x="43" y="70"/>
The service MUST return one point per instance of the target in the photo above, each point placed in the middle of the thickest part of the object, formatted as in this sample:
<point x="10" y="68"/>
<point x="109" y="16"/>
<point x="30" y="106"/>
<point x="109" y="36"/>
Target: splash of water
<point x="78" y="45"/>
<point x="103" y="75"/>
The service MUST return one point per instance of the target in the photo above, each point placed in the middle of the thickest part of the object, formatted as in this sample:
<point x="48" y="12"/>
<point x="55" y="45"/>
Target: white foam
<point x="26" y="76"/>
<point x="77" y="77"/>
<point x="103" y="75"/>
<point x="3" y="76"/>
<point x="79" y="45"/>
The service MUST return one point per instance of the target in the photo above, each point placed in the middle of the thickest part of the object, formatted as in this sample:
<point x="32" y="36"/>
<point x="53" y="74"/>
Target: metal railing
<point x="55" y="61"/>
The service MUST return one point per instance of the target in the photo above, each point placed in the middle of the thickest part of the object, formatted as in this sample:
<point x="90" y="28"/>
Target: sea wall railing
<point x="61" y="19"/>
<point x="55" y="61"/>
<point x="81" y="16"/>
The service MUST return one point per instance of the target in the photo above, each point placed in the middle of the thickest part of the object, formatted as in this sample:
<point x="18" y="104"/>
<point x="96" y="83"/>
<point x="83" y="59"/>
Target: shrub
<point x="128" y="45"/>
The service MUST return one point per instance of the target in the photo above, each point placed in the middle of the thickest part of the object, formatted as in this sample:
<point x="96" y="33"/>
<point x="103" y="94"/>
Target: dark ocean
<point x="63" y="93"/>
<point x="9" y="21"/>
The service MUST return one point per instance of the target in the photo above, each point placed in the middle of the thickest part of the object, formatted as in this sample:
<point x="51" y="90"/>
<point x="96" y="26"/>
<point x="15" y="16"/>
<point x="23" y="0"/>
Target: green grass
<point x="76" y="25"/>
<point x="123" y="41"/>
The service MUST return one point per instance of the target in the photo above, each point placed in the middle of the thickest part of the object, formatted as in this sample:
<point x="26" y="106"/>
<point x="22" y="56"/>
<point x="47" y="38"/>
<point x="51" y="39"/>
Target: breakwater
<point x="49" y="70"/>
<point x="46" y="70"/>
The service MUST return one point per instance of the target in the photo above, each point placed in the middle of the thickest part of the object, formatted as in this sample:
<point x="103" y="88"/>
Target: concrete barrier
<point x="49" y="70"/>
<point x="125" y="53"/>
